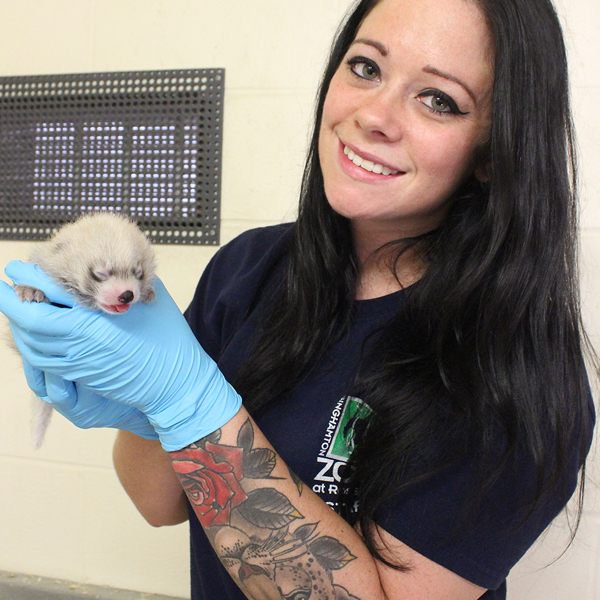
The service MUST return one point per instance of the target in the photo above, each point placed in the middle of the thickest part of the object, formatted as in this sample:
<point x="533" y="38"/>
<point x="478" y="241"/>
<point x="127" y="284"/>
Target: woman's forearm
<point x="146" y="473"/>
<point x="269" y="530"/>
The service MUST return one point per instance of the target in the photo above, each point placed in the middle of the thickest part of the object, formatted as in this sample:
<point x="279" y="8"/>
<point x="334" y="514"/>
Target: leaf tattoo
<point x="304" y="532"/>
<point x="259" y="463"/>
<point x="245" y="438"/>
<point x="297" y="481"/>
<point x="330" y="553"/>
<point x="269" y="509"/>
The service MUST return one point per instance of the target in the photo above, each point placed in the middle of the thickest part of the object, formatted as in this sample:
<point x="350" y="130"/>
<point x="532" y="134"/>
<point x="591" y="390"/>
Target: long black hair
<point x="490" y="343"/>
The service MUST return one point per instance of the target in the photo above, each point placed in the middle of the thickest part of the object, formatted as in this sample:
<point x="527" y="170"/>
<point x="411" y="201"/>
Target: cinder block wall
<point x="62" y="511"/>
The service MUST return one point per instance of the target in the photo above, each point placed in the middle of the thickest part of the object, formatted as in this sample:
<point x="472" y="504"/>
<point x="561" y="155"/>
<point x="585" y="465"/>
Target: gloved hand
<point x="147" y="358"/>
<point x="84" y="408"/>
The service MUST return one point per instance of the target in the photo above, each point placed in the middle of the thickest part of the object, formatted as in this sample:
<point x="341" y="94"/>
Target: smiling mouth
<point x="368" y="165"/>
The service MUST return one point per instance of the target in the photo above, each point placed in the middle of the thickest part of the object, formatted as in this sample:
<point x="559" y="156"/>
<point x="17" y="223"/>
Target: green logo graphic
<point x="351" y="426"/>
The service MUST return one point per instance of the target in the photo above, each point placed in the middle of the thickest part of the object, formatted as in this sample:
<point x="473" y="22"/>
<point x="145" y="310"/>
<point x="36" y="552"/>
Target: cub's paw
<point x="148" y="295"/>
<point x="30" y="294"/>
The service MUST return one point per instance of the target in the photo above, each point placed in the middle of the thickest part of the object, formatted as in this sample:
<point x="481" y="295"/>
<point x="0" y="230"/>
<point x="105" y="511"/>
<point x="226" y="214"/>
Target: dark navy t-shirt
<point x="311" y="428"/>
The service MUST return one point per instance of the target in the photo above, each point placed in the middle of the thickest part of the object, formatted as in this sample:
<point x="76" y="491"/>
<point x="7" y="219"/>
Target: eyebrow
<point x="377" y="45"/>
<point x="381" y="48"/>
<point x="444" y="75"/>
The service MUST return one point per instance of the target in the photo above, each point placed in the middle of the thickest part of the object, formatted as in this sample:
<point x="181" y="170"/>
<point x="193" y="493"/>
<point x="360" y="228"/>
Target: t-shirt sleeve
<point x="231" y="282"/>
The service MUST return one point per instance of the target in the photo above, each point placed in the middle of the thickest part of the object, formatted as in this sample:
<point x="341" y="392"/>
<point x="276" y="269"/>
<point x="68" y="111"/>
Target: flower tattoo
<point x="210" y="478"/>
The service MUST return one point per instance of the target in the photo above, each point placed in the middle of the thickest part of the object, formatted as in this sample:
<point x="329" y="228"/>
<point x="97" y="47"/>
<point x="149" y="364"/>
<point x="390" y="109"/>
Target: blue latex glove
<point x="35" y="380"/>
<point x="83" y="407"/>
<point x="86" y="409"/>
<point x="147" y="358"/>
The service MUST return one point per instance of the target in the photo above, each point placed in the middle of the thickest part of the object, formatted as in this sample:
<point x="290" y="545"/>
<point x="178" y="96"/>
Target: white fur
<point x="41" y="414"/>
<point x="110" y="246"/>
<point x="106" y="262"/>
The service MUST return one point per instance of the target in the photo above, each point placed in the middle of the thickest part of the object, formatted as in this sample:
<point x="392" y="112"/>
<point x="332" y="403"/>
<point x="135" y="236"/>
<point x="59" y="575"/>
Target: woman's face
<point x="407" y="113"/>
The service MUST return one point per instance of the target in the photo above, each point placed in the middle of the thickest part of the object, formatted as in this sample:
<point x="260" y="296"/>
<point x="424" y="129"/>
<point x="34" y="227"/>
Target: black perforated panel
<point x="147" y="144"/>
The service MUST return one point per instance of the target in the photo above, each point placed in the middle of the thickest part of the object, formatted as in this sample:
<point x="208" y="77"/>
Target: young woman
<point x="410" y="349"/>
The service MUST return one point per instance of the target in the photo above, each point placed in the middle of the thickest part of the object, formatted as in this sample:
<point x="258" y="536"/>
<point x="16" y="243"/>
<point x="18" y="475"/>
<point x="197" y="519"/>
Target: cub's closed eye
<point x="99" y="275"/>
<point x="364" y="68"/>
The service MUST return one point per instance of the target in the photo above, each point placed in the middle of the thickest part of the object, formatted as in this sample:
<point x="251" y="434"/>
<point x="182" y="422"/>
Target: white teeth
<point x="368" y="165"/>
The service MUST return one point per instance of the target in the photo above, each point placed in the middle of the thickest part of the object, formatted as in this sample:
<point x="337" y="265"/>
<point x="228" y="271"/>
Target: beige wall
<point x="62" y="512"/>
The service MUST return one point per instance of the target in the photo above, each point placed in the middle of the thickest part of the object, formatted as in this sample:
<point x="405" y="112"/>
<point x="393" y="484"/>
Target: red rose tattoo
<point x="210" y="478"/>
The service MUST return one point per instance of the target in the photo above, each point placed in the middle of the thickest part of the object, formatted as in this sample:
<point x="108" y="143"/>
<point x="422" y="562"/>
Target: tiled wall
<point x="62" y="511"/>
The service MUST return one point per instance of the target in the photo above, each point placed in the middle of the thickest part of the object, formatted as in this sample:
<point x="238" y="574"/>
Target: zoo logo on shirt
<point x="347" y="424"/>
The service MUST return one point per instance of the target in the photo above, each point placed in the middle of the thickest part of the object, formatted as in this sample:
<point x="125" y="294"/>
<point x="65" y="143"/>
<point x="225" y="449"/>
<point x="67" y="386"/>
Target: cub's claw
<point x="30" y="294"/>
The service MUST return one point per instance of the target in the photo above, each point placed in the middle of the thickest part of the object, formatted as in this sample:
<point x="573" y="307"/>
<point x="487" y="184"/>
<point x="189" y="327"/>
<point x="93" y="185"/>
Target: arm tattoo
<point x="260" y="537"/>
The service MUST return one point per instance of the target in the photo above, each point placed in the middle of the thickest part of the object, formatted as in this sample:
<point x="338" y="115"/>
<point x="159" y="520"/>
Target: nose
<point x="125" y="297"/>
<point x="382" y="115"/>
